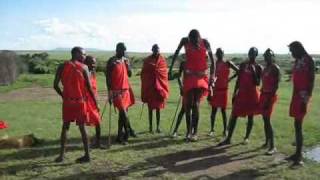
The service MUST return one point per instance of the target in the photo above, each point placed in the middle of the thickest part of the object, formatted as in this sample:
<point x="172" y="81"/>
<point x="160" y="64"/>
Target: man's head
<point x="219" y="53"/>
<point x="194" y="36"/>
<point x="155" y="49"/>
<point x="253" y="53"/>
<point x="268" y="56"/>
<point x="297" y="50"/>
<point x="78" y="53"/>
<point x="91" y="62"/>
<point x="120" y="49"/>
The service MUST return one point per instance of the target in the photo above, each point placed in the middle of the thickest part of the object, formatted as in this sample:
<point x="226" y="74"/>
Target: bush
<point x="39" y="63"/>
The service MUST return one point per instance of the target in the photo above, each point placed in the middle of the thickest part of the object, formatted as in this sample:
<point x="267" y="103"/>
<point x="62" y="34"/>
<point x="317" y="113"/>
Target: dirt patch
<point x="30" y="94"/>
<point x="37" y="93"/>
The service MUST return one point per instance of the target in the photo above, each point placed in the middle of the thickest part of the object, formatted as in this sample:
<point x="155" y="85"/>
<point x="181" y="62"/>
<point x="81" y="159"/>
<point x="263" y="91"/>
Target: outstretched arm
<point x="57" y="80"/>
<point x="235" y="68"/>
<point x="212" y="61"/>
<point x="175" y="55"/>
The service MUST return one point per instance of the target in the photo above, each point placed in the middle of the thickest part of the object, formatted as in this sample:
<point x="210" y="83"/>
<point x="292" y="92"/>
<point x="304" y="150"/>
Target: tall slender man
<point x="120" y="93"/>
<point x="154" y="84"/>
<point x="268" y="97"/>
<point x="75" y="79"/>
<point x="246" y="95"/>
<point x="195" y="78"/>
<point x="303" y="81"/>
<point x="219" y="98"/>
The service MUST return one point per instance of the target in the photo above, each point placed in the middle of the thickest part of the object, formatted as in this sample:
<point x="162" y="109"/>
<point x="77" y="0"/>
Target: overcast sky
<point x="234" y="25"/>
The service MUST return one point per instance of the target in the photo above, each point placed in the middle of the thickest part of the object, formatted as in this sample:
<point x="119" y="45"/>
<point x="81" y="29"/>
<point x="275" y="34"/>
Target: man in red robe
<point x="246" y="95"/>
<point x="93" y="111"/>
<point x="117" y="73"/>
<point x="219" y="98"/>
<point x="195" y="78"/>
<point x="303" y="81"/>
<point x="268" y="97"/>
<point x="154" y="84"/>
<point x="75" y="79"/>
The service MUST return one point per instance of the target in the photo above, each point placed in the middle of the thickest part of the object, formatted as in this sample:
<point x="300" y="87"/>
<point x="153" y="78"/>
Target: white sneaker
<point x="194" y="138"/>
<point x="271" y="152"/>
<point x="211" y="134"/>
<point x="174" y="135"/>
<point x="245" y="141"/>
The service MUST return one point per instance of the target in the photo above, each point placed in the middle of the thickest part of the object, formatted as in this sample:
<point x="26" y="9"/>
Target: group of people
<point x="79" y="93"/>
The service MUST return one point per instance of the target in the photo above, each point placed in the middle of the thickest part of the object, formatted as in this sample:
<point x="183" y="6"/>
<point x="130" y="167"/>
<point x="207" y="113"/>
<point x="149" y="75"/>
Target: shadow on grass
<point x="38" y="166"/>
<point x="179" y="162"/>
<point x="46" y="149"/>
<point x="252" y="173"/>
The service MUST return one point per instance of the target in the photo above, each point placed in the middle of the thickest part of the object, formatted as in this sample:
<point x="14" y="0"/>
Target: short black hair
<point x="76" y="49"/>
<point x="121" y="45"/>
<point x="268" y="51"/>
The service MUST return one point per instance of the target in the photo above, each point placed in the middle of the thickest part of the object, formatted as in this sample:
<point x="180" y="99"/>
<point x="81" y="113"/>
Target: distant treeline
<point x="47" y="62"/>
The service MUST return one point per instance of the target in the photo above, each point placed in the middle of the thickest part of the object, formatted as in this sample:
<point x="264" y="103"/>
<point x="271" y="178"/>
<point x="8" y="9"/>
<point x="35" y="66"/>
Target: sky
<point x="234" y="25"/>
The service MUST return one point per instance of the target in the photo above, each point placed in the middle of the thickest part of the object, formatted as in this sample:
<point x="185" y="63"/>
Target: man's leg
<point x="63" y="139"/>
<point x="224" y="119"/>
<point x="158" y="120"/>
<point x="131" y="131"/>
<point x="195" y="111"/>
<point x="266" y="131"/>
<point x="299" y="141"/>
<point x="98" y="137"/>
<point x="125" y="124"/>
<point x="213" y="119"/>
<point x="188" y="116"/>
<point x="120" y="129"/>
<point x="150" y="120"/>
<point x="249" y="128"/>
<point x="86" y="157"/>
<point x="232" y="125"/>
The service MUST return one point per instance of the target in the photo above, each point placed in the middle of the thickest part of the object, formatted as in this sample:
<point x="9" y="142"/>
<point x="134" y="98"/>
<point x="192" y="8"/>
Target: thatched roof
<point x="8" y="67"/>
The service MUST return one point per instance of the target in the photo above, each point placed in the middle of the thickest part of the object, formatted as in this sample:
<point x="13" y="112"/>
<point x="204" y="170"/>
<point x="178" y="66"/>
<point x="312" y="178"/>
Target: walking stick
<point x="175" y="114"/>
<point x="141" y="111"/>
<point x="104" y="109"/>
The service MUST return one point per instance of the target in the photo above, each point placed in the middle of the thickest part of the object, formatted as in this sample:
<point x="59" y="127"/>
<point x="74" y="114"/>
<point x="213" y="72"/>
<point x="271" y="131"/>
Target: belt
<point x="189" y="72"/>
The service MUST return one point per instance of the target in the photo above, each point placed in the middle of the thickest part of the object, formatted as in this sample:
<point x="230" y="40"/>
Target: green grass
<point x="151" y="155"/>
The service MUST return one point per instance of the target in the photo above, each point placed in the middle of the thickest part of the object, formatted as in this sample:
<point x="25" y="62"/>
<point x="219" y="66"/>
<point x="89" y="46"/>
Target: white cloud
<point x="232" y="25"/>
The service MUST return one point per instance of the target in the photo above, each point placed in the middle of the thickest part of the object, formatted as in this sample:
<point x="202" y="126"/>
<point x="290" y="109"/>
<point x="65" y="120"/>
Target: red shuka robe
<point x="269" y="81"/>
<point x="93" y="113"/>
<point x="122" y="93"/>
<point x="154" y="82"/>
<point x="74" y="93"/>
<point x="246" y="101"/>
<point x="196" y="61"/>
<point x="219" y="98"/>
<point x="301" y="82"/>
<point x="3" y="125"/>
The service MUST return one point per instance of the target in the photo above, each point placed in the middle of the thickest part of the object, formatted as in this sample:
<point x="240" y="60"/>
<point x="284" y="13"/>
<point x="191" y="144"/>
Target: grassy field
<point x="31" y="106"/>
